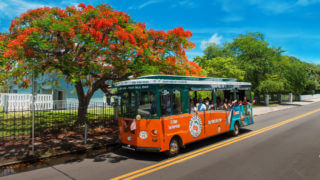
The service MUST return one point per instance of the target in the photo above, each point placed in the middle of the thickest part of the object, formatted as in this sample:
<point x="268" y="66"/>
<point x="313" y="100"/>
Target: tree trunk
<point x="258" y="97"/>
<point x="82" y="110"/>
<point x="84" y="100"/>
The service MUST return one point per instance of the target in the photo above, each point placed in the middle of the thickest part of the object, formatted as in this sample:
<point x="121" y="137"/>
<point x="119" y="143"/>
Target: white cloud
<point x="307" y="2"/>
<point x="214" y="39"/>
<point x="150" y="2"/>
<point x="269" y="6"/>
<point x="13" y="8"/>
<point x="184" y="4"/>
<point x="187" y="3"/>
<point x="277" y="7"/>
<point x="3" y="6"/>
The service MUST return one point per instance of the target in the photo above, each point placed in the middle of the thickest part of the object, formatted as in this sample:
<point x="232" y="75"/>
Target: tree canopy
<point x="223" y="67"/>
<point x="90" y="45"/>
<point x="4" y="72"/>
<point x="250" y="58"/>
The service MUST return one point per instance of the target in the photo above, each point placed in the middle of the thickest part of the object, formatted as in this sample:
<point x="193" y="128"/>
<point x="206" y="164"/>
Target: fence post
<point x="5" y="99"/>
<point x="290" y="97"/>
<point x="33" y="109"/>
<point x="280" y="98"/>
<point x="85" y="132"/>
<point x="116" y="112"/>
<point x="267" y="100"/>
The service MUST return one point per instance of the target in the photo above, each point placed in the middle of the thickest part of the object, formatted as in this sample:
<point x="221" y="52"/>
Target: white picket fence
<point x="22" y="102"/>
<point x="310" y="96"/>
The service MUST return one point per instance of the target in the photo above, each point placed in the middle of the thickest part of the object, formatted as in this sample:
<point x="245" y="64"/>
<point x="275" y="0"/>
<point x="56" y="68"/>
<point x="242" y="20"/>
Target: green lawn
<point x="20" y="123"/>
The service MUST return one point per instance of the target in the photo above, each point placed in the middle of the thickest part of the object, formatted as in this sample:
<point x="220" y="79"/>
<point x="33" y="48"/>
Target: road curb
<point x="283" y="108"/>
<point x="17" y="166"/>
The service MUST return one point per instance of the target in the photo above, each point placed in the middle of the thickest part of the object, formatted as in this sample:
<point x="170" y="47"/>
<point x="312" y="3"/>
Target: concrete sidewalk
<point x="271" y="108"/>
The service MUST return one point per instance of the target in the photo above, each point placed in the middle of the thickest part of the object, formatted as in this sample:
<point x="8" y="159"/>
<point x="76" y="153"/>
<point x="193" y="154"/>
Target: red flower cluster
<point x="82" y="5"/>
<point x="11" y="50"/>
<point x="30" y="30"/>
<point x="157" y="34"/>
<point x="2" y="37"/>
<point x="103" y="23"/>
<point x="194" y="69"/>
<point x="125" y="36"/>
<point x="180" y="32"/>
<point x="171" y="60"/>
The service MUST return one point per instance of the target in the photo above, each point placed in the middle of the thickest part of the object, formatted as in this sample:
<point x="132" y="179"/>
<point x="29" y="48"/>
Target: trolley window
<point x="128" y="104"/>
<point x="147" y="104"/>
<point x="165" y="102"/>
<point x="176" y="96"/>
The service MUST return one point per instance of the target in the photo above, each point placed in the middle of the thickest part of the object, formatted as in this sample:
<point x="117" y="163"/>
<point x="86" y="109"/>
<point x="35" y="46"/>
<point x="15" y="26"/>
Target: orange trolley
<point x="164" y="113"/>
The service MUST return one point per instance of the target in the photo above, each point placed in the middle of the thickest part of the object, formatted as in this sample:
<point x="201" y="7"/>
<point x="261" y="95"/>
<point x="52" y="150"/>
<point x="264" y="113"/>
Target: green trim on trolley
<point x="192" y="78"/>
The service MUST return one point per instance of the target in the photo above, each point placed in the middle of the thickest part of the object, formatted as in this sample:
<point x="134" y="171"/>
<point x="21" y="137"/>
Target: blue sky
<point x="294" y="24"/>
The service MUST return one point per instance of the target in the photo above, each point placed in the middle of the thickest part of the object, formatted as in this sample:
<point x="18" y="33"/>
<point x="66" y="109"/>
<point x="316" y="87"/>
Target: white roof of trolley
<point x="185" y="80"/>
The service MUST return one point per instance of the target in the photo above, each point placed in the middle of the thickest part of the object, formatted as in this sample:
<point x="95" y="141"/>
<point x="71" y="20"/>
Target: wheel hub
<point x="173" y="147"/>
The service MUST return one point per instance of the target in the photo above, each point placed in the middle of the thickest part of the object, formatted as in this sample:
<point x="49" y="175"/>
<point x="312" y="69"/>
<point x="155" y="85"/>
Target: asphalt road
<point x="280" y="145"/>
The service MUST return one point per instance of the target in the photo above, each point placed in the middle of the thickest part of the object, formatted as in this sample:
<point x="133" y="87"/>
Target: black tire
<point x="236" y="130"/>
<point x="174" y="148"/>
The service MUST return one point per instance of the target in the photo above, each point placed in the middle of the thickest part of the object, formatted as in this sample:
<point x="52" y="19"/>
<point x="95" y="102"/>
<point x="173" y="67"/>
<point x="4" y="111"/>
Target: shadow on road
<point x="123" y="154"/>
<point x="117" y="155"/>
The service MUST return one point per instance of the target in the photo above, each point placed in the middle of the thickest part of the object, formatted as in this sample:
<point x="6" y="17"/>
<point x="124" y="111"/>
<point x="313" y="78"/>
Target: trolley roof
<point x="186" y="80"/>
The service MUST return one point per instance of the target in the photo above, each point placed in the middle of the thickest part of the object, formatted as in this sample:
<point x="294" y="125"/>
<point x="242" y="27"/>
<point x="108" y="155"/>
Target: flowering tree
<point x="4" y="72"/>
<point x="90" y="45"/>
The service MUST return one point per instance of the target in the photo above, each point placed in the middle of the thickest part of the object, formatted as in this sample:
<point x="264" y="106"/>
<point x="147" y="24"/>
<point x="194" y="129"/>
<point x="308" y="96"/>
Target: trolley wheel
<point x="173" y="148"/>
<point x="236" y="130"/>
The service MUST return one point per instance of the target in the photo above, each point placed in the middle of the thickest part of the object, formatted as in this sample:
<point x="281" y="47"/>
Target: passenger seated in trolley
<point x="245" y="102"/>
<point x="207" y="103"/>
<point x="192" y="106"/>
<point x="231" y="103"/>
<point x="201" y="106"/>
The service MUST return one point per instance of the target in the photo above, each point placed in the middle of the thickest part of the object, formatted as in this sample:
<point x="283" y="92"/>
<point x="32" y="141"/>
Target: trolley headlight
<point x="143" y="135"/>
<point x="154" y="132"/>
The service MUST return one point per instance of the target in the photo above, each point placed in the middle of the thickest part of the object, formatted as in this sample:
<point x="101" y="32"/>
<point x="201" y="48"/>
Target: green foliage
<point x="249" y="57"/>
<point x="214" y="50"/>
<point x="273" y="84"/>
<point x="254" y="56"/>
<point x="223" y="67"/>
<point x="294" y="72"/>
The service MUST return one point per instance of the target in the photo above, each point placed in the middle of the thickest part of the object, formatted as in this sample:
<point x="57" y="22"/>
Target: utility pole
<point x="33" y="108"/>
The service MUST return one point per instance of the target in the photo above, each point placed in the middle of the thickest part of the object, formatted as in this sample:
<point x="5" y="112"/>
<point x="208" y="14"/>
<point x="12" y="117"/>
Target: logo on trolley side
<point x="195" y="126"/>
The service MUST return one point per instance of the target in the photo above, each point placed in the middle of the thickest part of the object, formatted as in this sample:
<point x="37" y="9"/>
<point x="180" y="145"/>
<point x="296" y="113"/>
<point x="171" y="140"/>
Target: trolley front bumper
<point x="135" y="148"/>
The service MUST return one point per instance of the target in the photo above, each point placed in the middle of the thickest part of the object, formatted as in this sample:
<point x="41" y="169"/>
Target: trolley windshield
<point x="142" y="102"/>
